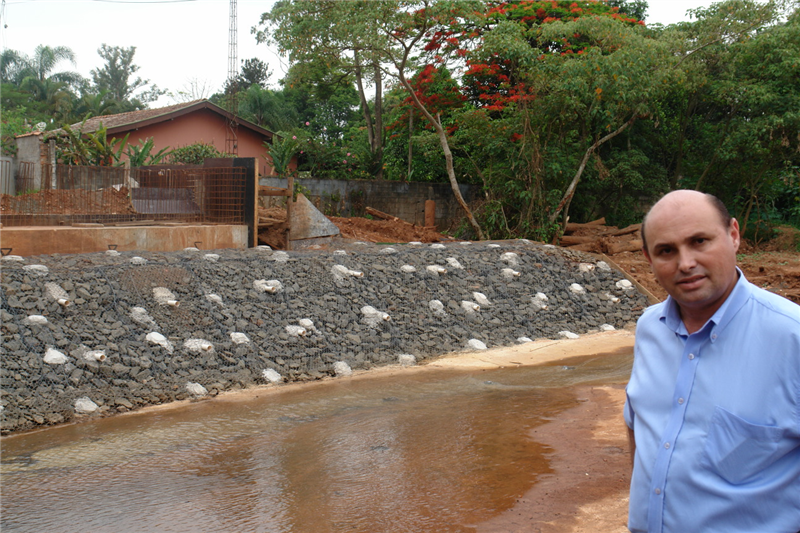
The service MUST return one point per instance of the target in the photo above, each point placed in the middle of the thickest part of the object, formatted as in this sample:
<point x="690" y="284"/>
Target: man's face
<point x="691" y="252"/>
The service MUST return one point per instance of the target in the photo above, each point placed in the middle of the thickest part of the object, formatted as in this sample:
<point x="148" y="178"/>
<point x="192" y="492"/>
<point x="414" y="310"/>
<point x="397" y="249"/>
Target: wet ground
<point x="481" y="442"/>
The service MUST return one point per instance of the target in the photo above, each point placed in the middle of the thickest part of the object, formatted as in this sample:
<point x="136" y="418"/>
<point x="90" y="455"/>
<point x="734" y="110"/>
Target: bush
<point x="194" y="154"/>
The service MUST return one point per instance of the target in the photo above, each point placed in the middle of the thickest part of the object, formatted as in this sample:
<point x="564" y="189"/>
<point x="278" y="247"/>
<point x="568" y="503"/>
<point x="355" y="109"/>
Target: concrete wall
<point x="403" y="200"/>
<point x="29" y="240"/>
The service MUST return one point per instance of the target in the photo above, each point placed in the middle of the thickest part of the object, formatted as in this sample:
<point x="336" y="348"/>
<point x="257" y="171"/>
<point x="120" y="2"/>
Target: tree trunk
<point x="567" y="198"/>
<point x="448" y="155"/>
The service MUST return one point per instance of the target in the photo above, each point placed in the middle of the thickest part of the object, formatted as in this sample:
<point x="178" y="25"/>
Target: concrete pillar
<point x="430" y="213"/>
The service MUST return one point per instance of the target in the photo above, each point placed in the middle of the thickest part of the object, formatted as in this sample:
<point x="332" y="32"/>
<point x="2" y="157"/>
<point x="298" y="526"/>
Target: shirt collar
<point x="671" y="317"/>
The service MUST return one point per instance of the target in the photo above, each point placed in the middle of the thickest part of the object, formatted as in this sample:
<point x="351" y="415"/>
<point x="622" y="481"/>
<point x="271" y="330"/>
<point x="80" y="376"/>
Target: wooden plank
<point x="627" y="246"/>
<point x="265" y="190"/>
<point x="633" y="228"/>
<point x="380" y="214"/>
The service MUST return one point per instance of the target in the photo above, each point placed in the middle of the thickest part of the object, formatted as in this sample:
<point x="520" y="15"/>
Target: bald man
<point x="713" y="403"/>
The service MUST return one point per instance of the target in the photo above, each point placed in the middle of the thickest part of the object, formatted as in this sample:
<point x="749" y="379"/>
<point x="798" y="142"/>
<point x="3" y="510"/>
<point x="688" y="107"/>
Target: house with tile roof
<point x="172" y="126"/>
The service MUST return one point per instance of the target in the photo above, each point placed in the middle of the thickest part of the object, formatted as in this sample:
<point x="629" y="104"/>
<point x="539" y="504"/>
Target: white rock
<point x="159" y="339"/>
<point x="438" y="246"/>
<point x="549" y="246"/>
<point x="14" y="258"/>
<point x="388" y="250"/>
<point x="57" y="293"/>
<point x="39" y="270"/>
<point x="611" y="297"/>
<point x="481" y="299"/>
<point x="198" y="345"/>
<point x="568" y="334"/>
<point x="113" y="253"/>
<point x="196" y="389"/>
<point x="340" y="272"/>
<point x="510" y="258"/>
<point x="263" y="248"/>
<point x="576" y="289"/>
<point x="510" y="273"/>
<point x="211" y="257"/>
<point x="164" y="296"/>
<point x="452" y="262"/>
<point x="140" y="316"/>
<point x="342" y="369"/>
<point x="585" y="267"/>
<point x="493" y="245"/>
<point x="296" y="331"/>
<point x="339" y="252"/>
<point x="95" y="355"/>
<point x="475" y="344"/>
<point x="308" y="324"/>
<point x="603" y="266"/>
<point x="607" y="327"/>
<point x="408" y="269"/>
<point x="538" y="301"/>
<point x="525" y="241"/>
<point x="436" y="269"/>
<point x="465" y="243"/>
<point x="271" y="375"/>
<point x="271" y="286"/>
<point x="360" y="243"/>
<point x="415" y="243"/>
<point x="85" y="406"/>
<point x="373" y="317"/>
<point x="470" y="307"/>
<point x="35" y="319"/>
<point x="214" y="298"/>
<point x="191" y="249"/>
<point x="624" y="284"/>
<point x="239" y="338"/>
<point x="523" y="340"/>
<point x="406" y="359"/>
<point x="437" y="307"/>
<point x="136" y="260"/>
<point x="54" y="357"/>
<point x="280" y="256"/>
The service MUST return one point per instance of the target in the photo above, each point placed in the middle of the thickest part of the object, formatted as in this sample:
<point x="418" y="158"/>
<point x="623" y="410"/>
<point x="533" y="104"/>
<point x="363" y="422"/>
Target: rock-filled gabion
<point x="118" y="346"/>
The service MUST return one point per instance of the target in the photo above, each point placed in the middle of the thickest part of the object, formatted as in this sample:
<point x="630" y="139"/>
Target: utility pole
<point x="232" y="132"/>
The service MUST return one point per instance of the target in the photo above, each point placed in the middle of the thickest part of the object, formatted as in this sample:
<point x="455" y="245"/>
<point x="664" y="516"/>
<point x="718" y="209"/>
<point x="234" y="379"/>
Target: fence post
<point x="52" y="149"/>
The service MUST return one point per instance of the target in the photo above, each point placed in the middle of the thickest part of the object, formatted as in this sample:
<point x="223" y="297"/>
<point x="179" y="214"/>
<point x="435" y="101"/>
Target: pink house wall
<point x="204" y="126"/>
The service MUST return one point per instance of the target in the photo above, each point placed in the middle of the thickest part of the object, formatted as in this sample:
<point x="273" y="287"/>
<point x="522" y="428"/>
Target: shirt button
<point x="680" y="401"/>
<point x="658" y="492"/>
<point x="666" y="445"/>
<point x="713" y="336"/>
<point x="691" y="356"/>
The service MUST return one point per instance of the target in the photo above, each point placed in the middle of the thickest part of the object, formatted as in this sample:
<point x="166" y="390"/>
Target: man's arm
<point x="631" y="446"/>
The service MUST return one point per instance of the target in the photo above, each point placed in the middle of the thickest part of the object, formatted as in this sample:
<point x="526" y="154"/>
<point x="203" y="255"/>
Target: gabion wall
<point x="95" y="334"/>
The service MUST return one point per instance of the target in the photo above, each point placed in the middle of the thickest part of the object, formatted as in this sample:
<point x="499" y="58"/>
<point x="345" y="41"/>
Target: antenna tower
<point x="232" y="133"/>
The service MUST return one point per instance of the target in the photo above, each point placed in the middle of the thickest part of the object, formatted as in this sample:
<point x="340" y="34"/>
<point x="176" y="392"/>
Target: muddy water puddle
<point x="432" y="451"/>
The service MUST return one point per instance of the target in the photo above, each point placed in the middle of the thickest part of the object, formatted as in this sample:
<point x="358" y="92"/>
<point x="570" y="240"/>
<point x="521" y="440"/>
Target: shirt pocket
<point x="737" y="449"/>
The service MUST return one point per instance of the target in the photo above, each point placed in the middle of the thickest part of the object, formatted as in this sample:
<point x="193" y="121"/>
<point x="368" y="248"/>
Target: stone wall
<point x="405" y="200"/>
<point x="135" y="330"/>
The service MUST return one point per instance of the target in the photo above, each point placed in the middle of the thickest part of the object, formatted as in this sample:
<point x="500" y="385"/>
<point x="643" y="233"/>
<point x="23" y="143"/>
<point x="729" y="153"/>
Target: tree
<point x="253" y="72"/>
<point x="116" y="77"/>
<point x="318" y="39"/>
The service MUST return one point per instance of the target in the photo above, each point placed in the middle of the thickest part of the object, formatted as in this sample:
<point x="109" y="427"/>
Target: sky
<point x="180" y="44"/>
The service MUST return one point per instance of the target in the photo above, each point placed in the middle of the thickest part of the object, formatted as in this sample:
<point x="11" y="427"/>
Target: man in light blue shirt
<point x="713" y="403"/>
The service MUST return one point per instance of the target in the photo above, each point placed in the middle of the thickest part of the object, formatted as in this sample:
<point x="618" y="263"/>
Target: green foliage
<point x="282" y="150"/>
<point x="89" y="149"/>
<point x="117" y="77"/>
<point x="142" y="155"/>
<point x="13" y="123"/>
<point x="194" y="154"/>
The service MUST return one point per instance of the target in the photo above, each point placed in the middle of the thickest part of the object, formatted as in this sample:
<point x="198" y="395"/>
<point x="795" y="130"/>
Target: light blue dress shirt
<point x="716" y="418"/>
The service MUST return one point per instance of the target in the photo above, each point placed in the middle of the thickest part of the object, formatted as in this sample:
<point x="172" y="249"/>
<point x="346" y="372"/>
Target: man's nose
<point x="686" y="260"/>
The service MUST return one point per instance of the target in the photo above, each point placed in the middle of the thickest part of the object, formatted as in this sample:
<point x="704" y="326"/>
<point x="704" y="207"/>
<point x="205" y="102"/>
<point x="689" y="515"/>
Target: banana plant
<point x="141" y="155"/>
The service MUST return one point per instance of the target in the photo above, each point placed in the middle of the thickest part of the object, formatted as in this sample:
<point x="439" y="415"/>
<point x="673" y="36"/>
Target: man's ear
<point x="734" y="233"/>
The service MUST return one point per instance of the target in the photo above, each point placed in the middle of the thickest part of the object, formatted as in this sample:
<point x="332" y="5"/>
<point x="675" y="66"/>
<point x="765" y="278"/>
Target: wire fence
<point x="68" y="194"/>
